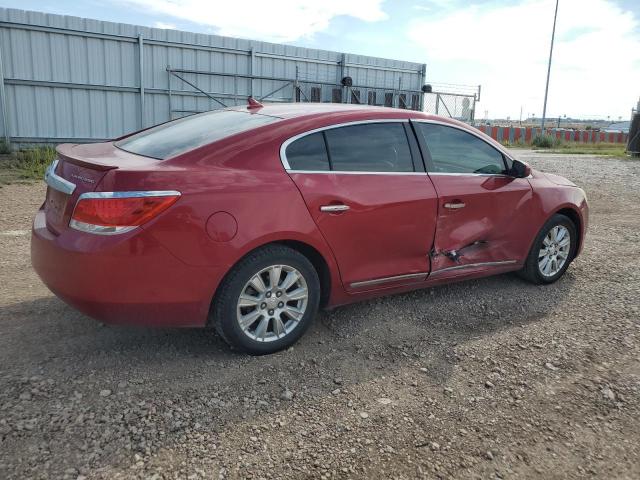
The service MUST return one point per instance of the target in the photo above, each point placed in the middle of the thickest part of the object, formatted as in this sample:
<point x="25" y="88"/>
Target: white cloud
<point x="275" y="20"/>
<point x="166" y="26"/>
<point x="596" y="59"/>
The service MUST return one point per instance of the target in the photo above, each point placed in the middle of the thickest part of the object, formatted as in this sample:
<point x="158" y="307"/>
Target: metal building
<point x="66" y="78"/>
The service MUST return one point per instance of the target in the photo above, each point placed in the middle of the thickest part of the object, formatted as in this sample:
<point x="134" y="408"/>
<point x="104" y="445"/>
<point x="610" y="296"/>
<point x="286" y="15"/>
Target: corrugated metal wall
<point x="69" y="78"/>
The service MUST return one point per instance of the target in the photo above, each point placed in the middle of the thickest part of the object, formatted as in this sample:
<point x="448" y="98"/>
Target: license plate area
<point x="55" y="206"/>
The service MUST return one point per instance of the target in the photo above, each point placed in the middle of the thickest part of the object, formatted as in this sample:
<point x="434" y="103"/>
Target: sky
<point x="502" y="45"/>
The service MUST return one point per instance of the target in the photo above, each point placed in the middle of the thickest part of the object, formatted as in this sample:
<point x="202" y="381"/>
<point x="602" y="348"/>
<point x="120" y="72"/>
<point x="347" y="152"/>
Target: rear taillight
<point x="119" y="212"/>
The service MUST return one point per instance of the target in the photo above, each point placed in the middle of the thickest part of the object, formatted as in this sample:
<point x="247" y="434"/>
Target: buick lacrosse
<point x="250" y="219"/>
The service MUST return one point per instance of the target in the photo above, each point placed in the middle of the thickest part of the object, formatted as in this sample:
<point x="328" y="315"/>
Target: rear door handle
<point x="455" y="205"/>
<point x="334" y="208"/>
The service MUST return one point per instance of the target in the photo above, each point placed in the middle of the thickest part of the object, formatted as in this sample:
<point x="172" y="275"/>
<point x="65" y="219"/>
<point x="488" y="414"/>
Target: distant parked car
<point x="249" y="219"/>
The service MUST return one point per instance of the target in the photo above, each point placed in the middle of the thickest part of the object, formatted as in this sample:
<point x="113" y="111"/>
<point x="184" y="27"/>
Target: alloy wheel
<point x="272" y="303"/>
<point x="554" y="253"/>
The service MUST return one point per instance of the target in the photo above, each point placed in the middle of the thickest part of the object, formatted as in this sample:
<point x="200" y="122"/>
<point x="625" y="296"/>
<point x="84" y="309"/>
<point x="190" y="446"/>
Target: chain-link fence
<point x="455" y="101"/>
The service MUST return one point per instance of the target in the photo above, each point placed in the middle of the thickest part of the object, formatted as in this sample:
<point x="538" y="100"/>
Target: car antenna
<point x="253" y="103"/>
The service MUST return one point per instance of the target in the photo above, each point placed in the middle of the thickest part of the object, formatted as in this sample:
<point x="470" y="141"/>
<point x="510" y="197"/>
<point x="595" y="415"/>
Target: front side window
<point x="188" y="133"/>
<point x="455" y="151"/>
<point x="308" y="153"/>
<point x="371" y="147"/>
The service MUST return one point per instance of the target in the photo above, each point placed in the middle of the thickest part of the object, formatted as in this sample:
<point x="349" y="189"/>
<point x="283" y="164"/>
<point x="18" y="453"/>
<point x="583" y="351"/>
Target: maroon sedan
<point x="249" y="219"/>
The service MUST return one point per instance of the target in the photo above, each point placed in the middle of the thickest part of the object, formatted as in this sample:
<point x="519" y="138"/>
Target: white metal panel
<point x="69" y="77"/>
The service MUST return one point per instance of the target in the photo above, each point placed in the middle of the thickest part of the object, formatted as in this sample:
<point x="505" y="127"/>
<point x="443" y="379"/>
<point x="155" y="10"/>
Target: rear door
<point x="367" y="191"/>
<point x="483" y="212"/>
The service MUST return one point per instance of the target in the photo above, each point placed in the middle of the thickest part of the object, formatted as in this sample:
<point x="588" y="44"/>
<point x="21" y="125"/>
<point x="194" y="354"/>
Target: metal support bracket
<point x="4" y="108"/>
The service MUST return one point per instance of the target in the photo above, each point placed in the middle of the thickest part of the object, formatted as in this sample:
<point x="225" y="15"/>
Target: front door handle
<point x="334" y="208"/>
<point x="455" y="205"/>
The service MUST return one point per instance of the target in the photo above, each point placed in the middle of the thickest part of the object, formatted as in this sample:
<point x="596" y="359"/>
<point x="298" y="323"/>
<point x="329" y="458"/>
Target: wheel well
<point x="575" y="218"/>
<point x="313" y="255"/>
<point x="318" y="262"/>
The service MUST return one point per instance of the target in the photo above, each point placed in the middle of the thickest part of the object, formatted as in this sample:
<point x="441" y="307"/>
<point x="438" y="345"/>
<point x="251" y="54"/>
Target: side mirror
<point x="520" y="169"/>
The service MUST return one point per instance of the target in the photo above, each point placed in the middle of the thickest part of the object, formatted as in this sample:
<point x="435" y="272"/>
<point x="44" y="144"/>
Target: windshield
<point x="179" y="136"/>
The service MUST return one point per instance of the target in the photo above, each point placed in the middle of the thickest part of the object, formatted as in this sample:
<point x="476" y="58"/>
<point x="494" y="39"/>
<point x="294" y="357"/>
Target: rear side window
<point x="455" y="151"/>
<point x="371" y="147"/>
<point x="180" y="136"/>
<point x="308" y="153"/>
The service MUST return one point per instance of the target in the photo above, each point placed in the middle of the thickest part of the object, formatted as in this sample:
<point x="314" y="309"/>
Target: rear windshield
<point x="179" y="136"/>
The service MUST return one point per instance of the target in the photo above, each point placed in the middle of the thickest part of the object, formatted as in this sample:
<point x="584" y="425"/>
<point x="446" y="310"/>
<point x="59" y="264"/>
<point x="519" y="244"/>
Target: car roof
<point x="293" y="110"/>
<point x="310" y="109"/>
<point x="341" y="112"/>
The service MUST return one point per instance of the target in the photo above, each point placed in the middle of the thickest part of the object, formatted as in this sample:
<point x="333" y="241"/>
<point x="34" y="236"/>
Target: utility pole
<point x="520" y="115"/>
<point x="546" y="90"/>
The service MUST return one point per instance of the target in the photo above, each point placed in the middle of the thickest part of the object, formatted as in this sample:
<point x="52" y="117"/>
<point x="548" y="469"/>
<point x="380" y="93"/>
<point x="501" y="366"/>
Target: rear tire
<point x="551" y="252"/>
<point x="267" y="301"/>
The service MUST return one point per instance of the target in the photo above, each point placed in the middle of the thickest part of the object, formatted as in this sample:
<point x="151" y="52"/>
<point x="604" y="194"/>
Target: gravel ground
<point x="482" y="379"/>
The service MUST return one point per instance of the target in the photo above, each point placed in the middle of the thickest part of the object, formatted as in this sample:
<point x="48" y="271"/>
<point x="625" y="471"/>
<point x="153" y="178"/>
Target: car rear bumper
<point x="122" y="279"/>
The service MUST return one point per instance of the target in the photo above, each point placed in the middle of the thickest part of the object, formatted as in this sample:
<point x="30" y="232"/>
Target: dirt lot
<point x="488" y="378"/>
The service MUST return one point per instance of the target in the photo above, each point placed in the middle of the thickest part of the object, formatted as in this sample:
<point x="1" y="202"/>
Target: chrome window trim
<point x="130" y="194"/>
<point x="470" y="174"/>
<point x="478" y="134"/>
<point x="56" y="181"/>
<point x="287" y="142"/>
<point x="377" y="281"/>
<point x="356" y="172"/>
<point x="474" y="265"/>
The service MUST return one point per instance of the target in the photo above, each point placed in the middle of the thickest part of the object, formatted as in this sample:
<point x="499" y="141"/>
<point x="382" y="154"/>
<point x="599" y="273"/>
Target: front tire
<point x="552" y="251"/>
<point x="267" y="301"/>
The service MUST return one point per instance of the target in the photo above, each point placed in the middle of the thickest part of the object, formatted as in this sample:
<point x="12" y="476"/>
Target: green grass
<point x="604" y="149"/>
<point x="550" y="144"/>
<point x="546" y="141"/>
<point x="34" y="161"/>
<point x="25" y="165"/>
<point x="518" y="144"/>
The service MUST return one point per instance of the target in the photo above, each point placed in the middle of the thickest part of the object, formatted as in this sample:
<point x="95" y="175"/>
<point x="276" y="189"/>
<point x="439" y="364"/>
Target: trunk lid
<point x="76" y="170"/>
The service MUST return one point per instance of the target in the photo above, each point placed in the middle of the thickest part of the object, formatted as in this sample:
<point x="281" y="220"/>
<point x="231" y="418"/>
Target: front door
<point x="482" y="211"/>
<point x="363" y="188"/>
